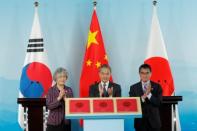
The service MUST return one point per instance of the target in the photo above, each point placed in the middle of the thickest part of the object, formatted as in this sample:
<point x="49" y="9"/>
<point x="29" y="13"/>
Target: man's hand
<point x="148" y="90"/>
<point x="101" y="91"/>
<point x="144" y="96"/>
<point x="110" y="91"/>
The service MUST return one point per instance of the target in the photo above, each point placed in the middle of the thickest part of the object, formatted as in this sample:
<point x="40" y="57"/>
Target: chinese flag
<point x="157" y="58"/>
<point x="95" y="56"/>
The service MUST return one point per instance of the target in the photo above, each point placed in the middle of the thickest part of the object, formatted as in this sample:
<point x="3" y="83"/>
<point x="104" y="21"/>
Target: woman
<point x="55" y="101"/>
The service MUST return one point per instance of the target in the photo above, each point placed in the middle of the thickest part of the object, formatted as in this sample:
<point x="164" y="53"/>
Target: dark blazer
<point x="150" y="108"/>
<point x="94" y="90"/>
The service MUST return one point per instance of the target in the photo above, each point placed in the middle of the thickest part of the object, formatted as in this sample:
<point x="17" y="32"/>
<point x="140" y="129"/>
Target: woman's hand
<point x="61" y="94"/>
<point x="65" y="98"/>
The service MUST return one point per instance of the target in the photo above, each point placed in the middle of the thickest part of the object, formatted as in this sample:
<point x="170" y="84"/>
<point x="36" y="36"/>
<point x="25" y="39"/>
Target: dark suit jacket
<point x="94" y="90"/>
<point x="150" y="108"/>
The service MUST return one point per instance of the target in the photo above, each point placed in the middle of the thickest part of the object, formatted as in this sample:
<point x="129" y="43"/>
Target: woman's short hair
<point x="59" y="71"/>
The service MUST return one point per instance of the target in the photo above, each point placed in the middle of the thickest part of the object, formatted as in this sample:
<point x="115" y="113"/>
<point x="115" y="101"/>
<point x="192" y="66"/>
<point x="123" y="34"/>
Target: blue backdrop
<point x="125" y="27"/>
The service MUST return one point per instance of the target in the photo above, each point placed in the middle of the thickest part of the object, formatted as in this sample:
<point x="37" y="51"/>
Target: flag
<point x="95" y="56"/>
<point x="36" y="76"/>
<point x="157" y="58"/>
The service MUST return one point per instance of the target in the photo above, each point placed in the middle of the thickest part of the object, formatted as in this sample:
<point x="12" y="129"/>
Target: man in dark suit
<point x="105" y="88"/>
<point x="150" y="94"/>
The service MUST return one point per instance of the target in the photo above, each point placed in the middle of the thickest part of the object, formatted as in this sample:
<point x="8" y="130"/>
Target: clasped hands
<point x="62" y="95"/>
<point x="109" y="91"/>
<point x="148" y="91"/>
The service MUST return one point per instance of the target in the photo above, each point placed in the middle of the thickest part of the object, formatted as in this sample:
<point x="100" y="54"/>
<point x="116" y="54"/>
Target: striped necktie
<point x="104" y="89"/>
<point x="145" y="87"/>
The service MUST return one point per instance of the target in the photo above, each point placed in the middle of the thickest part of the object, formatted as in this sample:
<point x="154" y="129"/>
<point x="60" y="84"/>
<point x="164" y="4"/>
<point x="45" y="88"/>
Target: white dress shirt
<point x="106" y="85"/>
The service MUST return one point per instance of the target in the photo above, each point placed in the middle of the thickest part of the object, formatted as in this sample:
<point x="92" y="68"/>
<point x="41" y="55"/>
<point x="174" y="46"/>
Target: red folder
<point x="103" y="106"/>
<point x="79" y="106"/>
<point x="126" y="105"/>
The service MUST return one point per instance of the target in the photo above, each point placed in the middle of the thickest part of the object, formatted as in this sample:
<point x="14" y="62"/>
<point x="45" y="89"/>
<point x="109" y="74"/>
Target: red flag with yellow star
<point x="95" y="56"/>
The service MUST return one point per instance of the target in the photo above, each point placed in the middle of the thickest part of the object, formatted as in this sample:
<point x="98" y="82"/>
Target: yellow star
<point x="98" y="64"/>
<point x="92" y="38"/>
<point x="106" y="57"/>
<point x="88" y="62"/>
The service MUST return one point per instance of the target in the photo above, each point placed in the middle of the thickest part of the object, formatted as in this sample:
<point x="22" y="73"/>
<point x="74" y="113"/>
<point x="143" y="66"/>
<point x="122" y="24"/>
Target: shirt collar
<point x="107" y="84"/>
<point x="145" y="83"/>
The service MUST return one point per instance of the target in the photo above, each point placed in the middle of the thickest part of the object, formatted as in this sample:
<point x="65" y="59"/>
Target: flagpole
<point x="174" y="117"/>
<point x="36" y="4"/>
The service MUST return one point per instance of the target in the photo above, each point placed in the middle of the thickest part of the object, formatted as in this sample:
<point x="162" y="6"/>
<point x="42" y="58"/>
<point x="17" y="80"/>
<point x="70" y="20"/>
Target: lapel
<point x="97" y="85"/>
<point x="56" y="90"/>
<point x="153" y="87"/>
<point x="140" y="90"/>
<point x="110" y="85"/>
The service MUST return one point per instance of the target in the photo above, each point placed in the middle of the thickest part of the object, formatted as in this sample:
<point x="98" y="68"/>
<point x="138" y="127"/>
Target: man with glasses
<point x="150" y="94"/>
